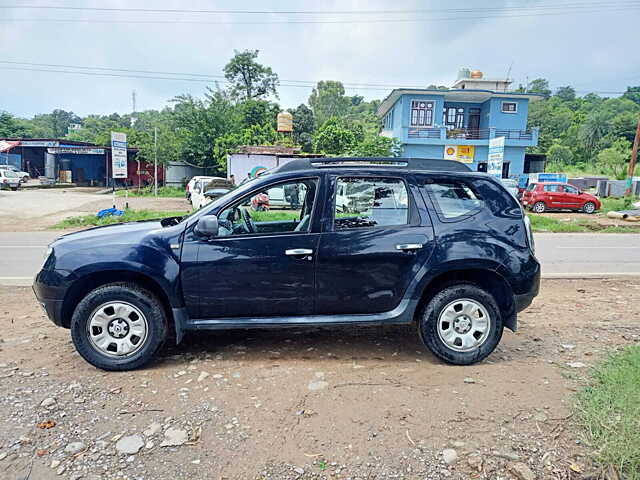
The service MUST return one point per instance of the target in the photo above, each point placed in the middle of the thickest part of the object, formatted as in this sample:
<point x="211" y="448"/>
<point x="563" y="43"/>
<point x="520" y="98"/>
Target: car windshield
<point x="10" y="173"/>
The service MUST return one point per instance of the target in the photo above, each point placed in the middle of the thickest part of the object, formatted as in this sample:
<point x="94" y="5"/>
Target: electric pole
<point x="155" y="161"/>
<point x="632" y="162"/>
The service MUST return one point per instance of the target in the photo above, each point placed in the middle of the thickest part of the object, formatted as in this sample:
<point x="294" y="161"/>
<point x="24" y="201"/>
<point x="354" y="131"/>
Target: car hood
<point x="131" y="232"/>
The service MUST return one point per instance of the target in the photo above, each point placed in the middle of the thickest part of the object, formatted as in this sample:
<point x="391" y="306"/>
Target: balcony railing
<point x="445" y="133"/>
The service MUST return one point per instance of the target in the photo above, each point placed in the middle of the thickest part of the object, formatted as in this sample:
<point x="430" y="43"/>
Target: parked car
<point x="543" y="196"/>
<point x="24" y="176"/>
<point x="9" y="179"/>
<point x="204" y="190"/>
<point x="430" y="243"/>
<point x="191" y="184"/>
<point x="511" y="185"/>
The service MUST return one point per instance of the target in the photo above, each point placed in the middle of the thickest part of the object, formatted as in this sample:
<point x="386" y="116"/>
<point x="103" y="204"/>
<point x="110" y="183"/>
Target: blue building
<point x="457" y="124"/>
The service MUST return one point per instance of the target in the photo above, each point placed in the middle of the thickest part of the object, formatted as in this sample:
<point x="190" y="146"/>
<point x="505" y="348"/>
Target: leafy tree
<point x="257" y="112"/>
<point x="539" y="85"/>
<point x="11" y="126"/>
<point x="633" y="94"/>
<point x="328" y="100"/>
<point x="377" y="146"/>
<point x="249" y="79"/>
<point x="559" y="155"/>
<point x="568" y="94"/>
<point x="624" y="125"/>
<point x="615" y="157"/>
<point x="53" y="125"/>
<point x="596" y="126"/>
<point x="334" y="138"/>
<point x="304" y="124"/>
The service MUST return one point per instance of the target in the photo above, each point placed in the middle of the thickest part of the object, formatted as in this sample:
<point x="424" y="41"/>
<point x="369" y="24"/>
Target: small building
<point x="457" y="124"/>
<point x="250" y="161"/>
<point x="68" y="161"/>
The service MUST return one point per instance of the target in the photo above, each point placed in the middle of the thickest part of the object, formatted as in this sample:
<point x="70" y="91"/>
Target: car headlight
<point x="46" y="256"/>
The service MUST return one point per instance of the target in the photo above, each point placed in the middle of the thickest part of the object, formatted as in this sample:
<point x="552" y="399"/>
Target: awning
<point x="5" y="145"/>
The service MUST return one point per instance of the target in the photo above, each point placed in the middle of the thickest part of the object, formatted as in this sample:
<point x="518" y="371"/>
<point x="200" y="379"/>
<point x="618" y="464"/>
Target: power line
<point x="205" y="80"/>
<point x="609" y="9"/>
<point x="573" y="5"/>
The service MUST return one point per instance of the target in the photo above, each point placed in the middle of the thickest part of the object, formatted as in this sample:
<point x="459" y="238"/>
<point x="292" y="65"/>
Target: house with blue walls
<point x="457" y="123"/>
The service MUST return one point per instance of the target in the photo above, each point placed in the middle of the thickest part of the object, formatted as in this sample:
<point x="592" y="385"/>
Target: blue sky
<point x="592" y="51"/>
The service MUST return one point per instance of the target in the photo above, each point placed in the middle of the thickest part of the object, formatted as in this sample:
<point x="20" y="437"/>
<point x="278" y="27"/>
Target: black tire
<point x="539" y="207"/>
<point x="430" y="313"/>
<point x="589" y="208"/>
<point x="15" y="189"/>
<point x="145" y="301"/>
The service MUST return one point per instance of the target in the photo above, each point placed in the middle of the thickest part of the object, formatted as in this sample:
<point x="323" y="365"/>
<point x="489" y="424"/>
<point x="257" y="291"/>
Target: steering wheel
<point x="249" y="225"/>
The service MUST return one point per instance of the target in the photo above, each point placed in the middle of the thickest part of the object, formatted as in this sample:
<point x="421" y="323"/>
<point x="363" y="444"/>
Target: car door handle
<point x="296" y="252"/>
<point x="409" y="246"/>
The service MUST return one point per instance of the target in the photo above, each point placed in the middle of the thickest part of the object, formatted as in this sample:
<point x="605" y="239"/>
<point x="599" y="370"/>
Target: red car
<point x="540" y="197"/>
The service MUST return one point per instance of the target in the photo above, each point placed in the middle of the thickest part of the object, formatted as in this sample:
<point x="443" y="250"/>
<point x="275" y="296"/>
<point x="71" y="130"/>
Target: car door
<point x="372" y="245"/>
<point x="267" y="272"/>
<point x="571" y="196"/>
<point x="552" y="195"/>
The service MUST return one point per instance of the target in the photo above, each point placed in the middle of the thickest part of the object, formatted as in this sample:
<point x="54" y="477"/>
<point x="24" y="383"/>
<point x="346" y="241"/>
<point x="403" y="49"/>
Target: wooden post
<point x="632" y="162"/>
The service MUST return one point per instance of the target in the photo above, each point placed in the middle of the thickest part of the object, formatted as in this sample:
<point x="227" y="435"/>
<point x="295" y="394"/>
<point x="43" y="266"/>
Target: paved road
<point x="561" y="255"/>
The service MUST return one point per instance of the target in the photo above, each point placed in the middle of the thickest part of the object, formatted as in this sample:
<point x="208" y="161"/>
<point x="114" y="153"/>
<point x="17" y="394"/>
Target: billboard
<point x="459" y="153"/>
<point x="118" y="155"/>
<point x="496" y="157"/>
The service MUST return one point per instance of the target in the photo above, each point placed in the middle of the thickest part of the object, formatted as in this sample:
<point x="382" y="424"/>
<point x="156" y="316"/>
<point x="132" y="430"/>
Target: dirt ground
<point x="308" y="404"/>
<point x="39" y="209"/>
<point x="597" y="218"/>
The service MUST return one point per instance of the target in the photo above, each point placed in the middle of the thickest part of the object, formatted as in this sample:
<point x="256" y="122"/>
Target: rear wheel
<point x="461" y="324"/>
<point x="589" y="207"/>
<point x="119" y="326"/>
<point x="539" y="207"/>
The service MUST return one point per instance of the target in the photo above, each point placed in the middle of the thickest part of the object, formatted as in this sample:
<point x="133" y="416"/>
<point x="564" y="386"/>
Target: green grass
<point x="166" y="192"/>
<point x="610" y="204"/>
<point x="274" y="215"/>
<point x="541" y="223"/>
<point x="609" y="411"/>
<point x="129" y="216"/>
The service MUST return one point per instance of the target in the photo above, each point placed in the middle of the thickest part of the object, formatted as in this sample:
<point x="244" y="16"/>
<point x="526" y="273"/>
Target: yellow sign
<point x="459" y="153"/>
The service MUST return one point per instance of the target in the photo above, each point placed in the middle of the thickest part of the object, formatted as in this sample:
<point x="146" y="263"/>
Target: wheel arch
<point x="485" y="278"/>
<point x="85" y="284"/>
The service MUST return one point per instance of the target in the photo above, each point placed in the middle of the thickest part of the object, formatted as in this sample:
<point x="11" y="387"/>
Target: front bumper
<point x="49" y="287"/>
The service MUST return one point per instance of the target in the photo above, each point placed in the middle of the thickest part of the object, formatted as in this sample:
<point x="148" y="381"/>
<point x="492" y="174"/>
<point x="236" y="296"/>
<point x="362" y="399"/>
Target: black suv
<point x="354" y="242"/>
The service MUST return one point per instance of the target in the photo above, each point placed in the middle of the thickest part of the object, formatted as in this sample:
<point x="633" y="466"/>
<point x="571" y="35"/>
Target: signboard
<point x="459" y="153"/>
<point x="118" y="155"/>
<point x="77" y="150"/>
<point x="38" y="143"/>
<point x="496" y="157"/>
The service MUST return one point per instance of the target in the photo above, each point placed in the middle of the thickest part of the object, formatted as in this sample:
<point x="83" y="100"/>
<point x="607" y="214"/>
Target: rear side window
<point x="455" y="199"/>
<point x="370" y="202"/>
<point x="551" y="188"/>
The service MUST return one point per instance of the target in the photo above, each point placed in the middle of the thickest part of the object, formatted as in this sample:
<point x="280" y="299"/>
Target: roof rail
<point x="433" y="164"/>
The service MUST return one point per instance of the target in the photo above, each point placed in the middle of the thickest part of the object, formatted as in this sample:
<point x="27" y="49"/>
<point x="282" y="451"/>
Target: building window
<point x="421" y="113"/>
<point x="509" y="107"/>
<point x="454" y="117"/>
<point x="388" y="120"/>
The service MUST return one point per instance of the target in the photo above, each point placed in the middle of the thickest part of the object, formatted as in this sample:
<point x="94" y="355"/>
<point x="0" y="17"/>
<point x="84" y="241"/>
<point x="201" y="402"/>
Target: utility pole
<point x="632" y="162"/>
<point x="155" y="161"/>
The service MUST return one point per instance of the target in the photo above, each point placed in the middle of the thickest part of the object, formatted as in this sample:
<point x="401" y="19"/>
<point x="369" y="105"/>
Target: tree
<point x="567" y="93"/>
<point x="53" y="125"/>
<point x="559" y="155"/>
<point x="328" y="100"/>
<point x="377" y="146"/>
<point x="334" y="138"/>
<point x="539" y="85"/>
<point x="248" y="78"/>
<point x="304" y="124"/>
<point x="11" y="126"/>
<point x="615" y="157"/>
<point x="633" y="94"/>
<point x="596" y="126"/>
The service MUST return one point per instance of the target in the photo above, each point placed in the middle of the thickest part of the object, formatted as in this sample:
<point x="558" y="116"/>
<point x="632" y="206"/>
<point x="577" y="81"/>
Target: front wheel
<point x="589" y="207"/>
<point x="119" y="326"/>
<point x="539" y="207"/>
<point x="461" y="324"/>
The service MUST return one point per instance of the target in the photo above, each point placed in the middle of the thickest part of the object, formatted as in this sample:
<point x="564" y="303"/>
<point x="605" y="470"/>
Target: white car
<point x="9" y="179"/>
<point x="192" y="184"/>
<point x="24" y="176"/>
<point x="200" y="188"/>
<point x="511" y="185"/>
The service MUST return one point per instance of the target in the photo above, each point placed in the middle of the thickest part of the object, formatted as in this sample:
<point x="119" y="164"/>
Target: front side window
<point x="281" y="208"/>
<point x="421" y="113"/>
<point x="570" y="189"/>
<point x="455" y="199"/>
<point x="370" y="202"/>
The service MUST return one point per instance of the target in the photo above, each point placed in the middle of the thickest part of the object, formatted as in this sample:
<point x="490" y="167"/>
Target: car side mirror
<point x="207" y="226"/>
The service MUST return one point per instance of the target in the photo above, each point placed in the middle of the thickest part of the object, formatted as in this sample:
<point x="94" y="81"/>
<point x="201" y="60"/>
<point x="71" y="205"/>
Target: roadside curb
<point x="577" y="276"/>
